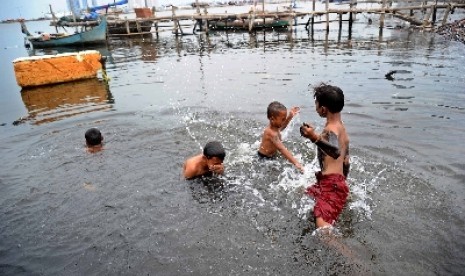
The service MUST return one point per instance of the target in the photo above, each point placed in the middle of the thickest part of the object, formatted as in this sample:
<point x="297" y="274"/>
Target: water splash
<point x="264" y="186"/>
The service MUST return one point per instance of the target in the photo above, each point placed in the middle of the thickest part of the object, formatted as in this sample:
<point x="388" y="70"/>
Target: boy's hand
<point x="308" y="131"/>
<point x="294" y="111"/>
<point x="300" y="167"/>
<point x="219" y="169"/>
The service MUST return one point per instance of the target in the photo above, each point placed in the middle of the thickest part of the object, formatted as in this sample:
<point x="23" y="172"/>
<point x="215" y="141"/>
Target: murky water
<point x="125" y="210"/>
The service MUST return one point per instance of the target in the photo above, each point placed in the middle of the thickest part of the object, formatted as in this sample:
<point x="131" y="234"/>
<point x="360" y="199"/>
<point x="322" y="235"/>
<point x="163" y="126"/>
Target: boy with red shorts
<point x="330" y="191"/>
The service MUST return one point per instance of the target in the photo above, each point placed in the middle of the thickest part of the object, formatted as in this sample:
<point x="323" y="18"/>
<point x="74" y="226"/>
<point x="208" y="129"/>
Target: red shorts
<point x="330" y="193"/>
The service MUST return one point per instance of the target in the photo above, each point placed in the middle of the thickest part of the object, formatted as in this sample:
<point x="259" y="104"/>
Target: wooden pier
<point x="422" y="14"/>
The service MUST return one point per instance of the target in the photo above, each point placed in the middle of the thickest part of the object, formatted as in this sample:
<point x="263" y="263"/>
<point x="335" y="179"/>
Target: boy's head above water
<point x="274" y="109"/>
<point x="208" y="162"/>
<point x="329" y="96"/>
<point x="215" y="154"/>
<point x="93" y="137"/>
<point x="214" y="150"/>
<point x="277" y="114"/>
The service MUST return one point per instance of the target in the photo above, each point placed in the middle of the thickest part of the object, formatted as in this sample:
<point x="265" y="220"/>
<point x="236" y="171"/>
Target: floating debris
<point x="454" y="31"/>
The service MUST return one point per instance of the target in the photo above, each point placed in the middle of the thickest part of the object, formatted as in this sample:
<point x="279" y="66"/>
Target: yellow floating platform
<point x="50" y="69"/>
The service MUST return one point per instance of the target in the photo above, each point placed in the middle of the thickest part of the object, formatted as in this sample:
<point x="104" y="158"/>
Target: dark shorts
<point x="330" y="193"/>
<point x="261" y="156"/>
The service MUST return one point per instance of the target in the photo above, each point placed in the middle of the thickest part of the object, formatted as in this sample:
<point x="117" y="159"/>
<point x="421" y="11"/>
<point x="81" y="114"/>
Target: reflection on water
<point x="56" y="102"/>
<point x="142" y="48"/>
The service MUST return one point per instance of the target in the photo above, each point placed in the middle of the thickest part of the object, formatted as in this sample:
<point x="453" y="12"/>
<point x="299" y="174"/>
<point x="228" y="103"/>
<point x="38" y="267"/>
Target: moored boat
<point x="95" y="35"/>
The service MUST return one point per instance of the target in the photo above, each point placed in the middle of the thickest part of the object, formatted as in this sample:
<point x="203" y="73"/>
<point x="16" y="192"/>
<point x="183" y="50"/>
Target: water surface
<point x="125" y="210"/>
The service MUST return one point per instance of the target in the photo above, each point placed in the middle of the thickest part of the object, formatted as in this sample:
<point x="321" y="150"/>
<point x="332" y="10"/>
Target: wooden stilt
<point x="383" y="15"/>
<point x="340" y="22"/>
<point x="426" y="22"/>
<point x="175" y="21"/>
<point x="206" y="20"/>
<point x="434" y="13"/>
<point x="156" y="28"/>
<point x="327" y="16"/>
<point x="128" y="30"/>
<point x="54" y="18"/>
<point x="446" y="15"/>
<point x="139" y="30"/>
<point x="313" y="17"/>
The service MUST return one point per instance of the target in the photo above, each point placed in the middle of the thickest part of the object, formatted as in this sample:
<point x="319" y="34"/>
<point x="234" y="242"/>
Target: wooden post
<point x="351" y="19"/>
<point x="156" y="28"/>
<point x="139" y="30"/>
<point x="206" y="20"/>
<point x="434" y="12"/>
<point x="313" y="17"/>
<point x="426" y="22"/>
<point x="263" y="14"/>
<point x="327" y="16"/>
<point x="446" y="15"/>
<point x="197" y="6"/>
<point x="354" y="16"/>
<point x="251" y="19"/>
<point x="175" y="21"/>
<point x="197" y="9"/>
<point x="294" y="22"/>
<point x="54" y="18"/>
<point x="340" y="22"/>
<point x="383" y="14"/>
<point x="128" y="30"/>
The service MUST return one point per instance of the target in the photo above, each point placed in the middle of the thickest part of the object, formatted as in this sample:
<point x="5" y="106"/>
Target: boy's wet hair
<point x="214" y="149"/>
<point x="274" y="109"/>
<point x="329" y="96"/>
<point x="93" y="137"/>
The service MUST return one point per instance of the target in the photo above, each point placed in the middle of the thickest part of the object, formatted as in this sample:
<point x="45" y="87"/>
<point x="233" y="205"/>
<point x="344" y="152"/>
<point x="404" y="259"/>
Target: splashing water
<point x="275" y="184"/>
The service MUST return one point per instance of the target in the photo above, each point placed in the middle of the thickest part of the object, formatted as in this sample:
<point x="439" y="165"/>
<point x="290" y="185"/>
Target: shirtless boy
<point x="271" y="140"/>
<point x="331" y="190"/>
<point x="207" y="163"/>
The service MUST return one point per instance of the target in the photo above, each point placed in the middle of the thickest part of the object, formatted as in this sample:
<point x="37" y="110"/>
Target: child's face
<point x="279" y="119"/>
<point x="320" y="109"/>
<point x="214" y="163"/>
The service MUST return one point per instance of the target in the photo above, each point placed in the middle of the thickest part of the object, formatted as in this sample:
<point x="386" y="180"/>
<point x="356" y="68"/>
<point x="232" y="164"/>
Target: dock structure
<point x="419" y="13"/>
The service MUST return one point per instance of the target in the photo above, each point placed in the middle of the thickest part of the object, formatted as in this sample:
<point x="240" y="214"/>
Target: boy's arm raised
<point x="294" y="111"/>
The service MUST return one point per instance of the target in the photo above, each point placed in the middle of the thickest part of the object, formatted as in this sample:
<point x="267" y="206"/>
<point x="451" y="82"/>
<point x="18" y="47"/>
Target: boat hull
<point x="97" y="35"/>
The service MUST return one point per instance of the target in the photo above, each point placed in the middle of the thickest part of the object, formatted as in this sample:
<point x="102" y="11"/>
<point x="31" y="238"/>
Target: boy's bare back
<point x="336" y="134"/>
